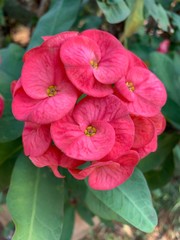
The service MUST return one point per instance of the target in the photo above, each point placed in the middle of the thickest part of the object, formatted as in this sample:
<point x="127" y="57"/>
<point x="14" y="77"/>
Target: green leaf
<point x="171" y="111"/>
<point x="9" y="149"/>
<point x="68" y="223"/>
<point x="158" y="178"/>
<point x="168" y="72"/>
<point x="35" y="201"/>
<point x="60" y="17"/>
<point x="131" y="201"/>
<point x="135" y="19"/>
<point x="164" y="68"/>
<point x="5" y="173"/>
<point x="166" y="143"/>
<point x="84" y="213"/>
<point x="115" y="11"/>
<point x="100" y="209"/>
<point x="10" y="129"/>
<point x="12" y="56"/>
<point x="158" y="13"/>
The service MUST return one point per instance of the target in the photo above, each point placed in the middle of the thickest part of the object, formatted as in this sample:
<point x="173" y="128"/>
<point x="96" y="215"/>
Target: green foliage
<point x="114" y="10"/>
<point x="68" y="222"/>
<point x="166" y="143"/>
<point x="130" y="201"/>
<point x="35" y="200"/>
<point x="10" y="128"/>
<point x="55" y="20"/>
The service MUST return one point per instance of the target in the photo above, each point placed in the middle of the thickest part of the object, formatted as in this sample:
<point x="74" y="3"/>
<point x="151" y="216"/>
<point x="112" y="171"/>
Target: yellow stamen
<point x="51" y="91"/>
<point x="90" y="131"/>
<point x="94" y="64"/>
<point x="130" y="86"/>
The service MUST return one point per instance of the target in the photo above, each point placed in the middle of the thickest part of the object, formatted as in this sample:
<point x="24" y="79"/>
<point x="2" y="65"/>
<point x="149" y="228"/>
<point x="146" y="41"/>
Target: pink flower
<point x="93" y="61"/>
<point x="95" y="128"/>
<point x="164" y="46"/>
<point x="54" y="158"/>
<point x="142" y="92"/>
<point x="106" y="175"/>
<point x="1" y="105"/>
<point x="36" y="139"/>
<point x="46" y="94"/>
<point x="57" y="39"/>
<point x="146" y="132"/>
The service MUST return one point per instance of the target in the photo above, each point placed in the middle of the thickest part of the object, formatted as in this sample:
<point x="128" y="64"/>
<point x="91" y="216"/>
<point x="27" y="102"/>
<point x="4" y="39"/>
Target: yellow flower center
<point x="90" y="131"/>
<point x="51" y="91"/>
<point x="130" y="86"/>
<point x="94" y="64"/>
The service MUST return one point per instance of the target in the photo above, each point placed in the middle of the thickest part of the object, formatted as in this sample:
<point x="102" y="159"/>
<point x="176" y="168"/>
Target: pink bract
<point x="142" y="92"/>
<point x="46" y="94"/>
<point x="146" y="132"/>
<point x="96" y="128"/>
<point x="164" y="46"/>
<point x="1" y="105"/>
<point x="54" y="158"/>
<point x="106" y="175"/>
<point x="93" y="60"/>
<point x="57" y="39"/>
<point x="36" y="139"/>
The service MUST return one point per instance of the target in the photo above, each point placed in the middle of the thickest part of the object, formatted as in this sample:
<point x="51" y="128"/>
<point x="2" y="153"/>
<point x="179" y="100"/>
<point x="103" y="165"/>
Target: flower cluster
<point x="1" y="105"/>
<point x="86" y="99"/>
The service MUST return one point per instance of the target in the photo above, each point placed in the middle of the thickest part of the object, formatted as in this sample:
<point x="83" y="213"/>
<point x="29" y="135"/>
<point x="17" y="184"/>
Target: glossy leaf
<point x="35" y="201"/>
<point x="171" y="112"/>
<point x="59" y="18"/>
<point x="6" y="169"/>
<point x="10" y="129"/>
<point x="131" y="201"/>
<point x="9" y="149"/>
<point x="166" y="143"/>
<point x="165" y="69"/>
<point x="158" y="178"/>
<point x="115" y="11"/>
<point x="100" y="209"/>
<point x="85" y="213"/>
<point x="68" y="222"/>
<point x="158" y="13"/>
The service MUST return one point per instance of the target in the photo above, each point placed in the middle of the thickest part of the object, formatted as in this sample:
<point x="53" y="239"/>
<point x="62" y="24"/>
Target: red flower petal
<point x="1" y="105"/>
<point x="74" y="143"/>
<point x="50" y="158"/>
<point x="40" y="71"/>
<point x="159" y="122"/>
<point x="144" y="131"/>
<point x="57" y="39"/>
<point x="149" y="92"/>
<point x="110" y="174"/>
<point x="36" y="139"/>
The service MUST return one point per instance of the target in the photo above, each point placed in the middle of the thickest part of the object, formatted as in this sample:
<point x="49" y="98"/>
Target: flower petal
<point x="114" y="62"/>
<point x="1" y="105"/>
<point x="159" y="122"/>
<point x="36" y="139"/>
<point x="41" y="70"/>
<point x="111" y="174"/>
<point x="46" y="110"/>
<point x="50" y="158"/>
<point x="76" y="54"/>
<point x="144" y="131"/>
<point x="147" y="149"/>
<point x="57" y="39"/>
<point x="74" y="143"/>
